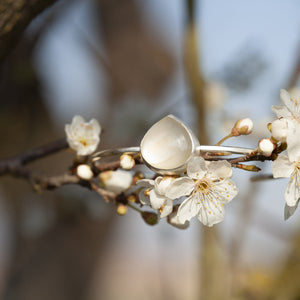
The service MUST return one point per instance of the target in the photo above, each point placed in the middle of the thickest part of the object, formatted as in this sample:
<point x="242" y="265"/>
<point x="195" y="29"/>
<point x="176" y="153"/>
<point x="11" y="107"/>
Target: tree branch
<point x="15" y="16"/>
<point x="15" y="164"/>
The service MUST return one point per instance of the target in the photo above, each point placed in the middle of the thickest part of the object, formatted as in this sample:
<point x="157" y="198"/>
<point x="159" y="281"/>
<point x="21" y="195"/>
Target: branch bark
<point x="15" y="16"/>
<point x="13" y="164"/>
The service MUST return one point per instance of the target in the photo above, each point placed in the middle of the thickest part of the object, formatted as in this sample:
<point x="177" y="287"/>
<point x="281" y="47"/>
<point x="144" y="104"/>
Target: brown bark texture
<point x="15" y="16"/>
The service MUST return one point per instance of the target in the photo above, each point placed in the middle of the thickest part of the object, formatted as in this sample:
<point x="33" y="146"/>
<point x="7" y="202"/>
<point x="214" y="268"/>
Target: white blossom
<point x="83" y="137"/>
<point x="153" y="193"/>
<point x="208" y="188"/>
<point x="289" y="167"/>
<point x="116" y="181"/>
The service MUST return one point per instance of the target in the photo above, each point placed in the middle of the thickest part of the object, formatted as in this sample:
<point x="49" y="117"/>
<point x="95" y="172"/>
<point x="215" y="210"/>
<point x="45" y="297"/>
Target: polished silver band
<point x="225" y="150"/>
<point x="230" y="150"/>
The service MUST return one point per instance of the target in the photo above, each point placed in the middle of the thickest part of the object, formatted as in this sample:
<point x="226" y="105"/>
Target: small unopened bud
<point x="127" y="162"/>
<point x="116" y="181"/>
<point x="149" y="217"/>
<point x="137" y="176"/>
<point x="131" y="198"/>
<point x="266" y="147"/>
<point x="121" y="209"/>
<point x="174" y="221"/>
<point x="242" y="127"/>
<point x="251" y="168"/>
<point x="280" y="129"/>
<point x="84" y="172"/>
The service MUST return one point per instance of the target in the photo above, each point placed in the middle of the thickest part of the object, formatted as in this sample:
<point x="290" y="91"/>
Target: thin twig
<point x="47" y="183"/>
<point x="13" y="164"/>
<point x="107" y="195"/>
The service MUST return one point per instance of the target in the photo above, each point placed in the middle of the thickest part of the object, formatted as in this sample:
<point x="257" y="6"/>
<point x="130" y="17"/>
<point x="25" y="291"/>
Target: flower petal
<point x="156" y="200"/>
<point x="147" y="183"/>
<point x="88" y="149"/>
<point x="196" y="168"/>
<point x="162" y="184"/>
<point x="77" y="121"/>
<point x="224" y="191"/>
<point x="219" y="169"/>
<point x="291" y="103"/>
<point x="292" y="191"/>
<point x="188" y="208"/>
<point x="282" y="167"/>
<point x="281" y="111"/>
<point x="280" y="129"/>
<point x="289" y="210"/>
<point x="210" y="219"/>
<point x="174" y="221"/>
<point x="167" y="209"/>
<point x="144" y="197"/>
<point x="94" y="127"/>
<point x="179" y="187"/>
<point x="293" y="144"/>
<point x="211" y="212"/>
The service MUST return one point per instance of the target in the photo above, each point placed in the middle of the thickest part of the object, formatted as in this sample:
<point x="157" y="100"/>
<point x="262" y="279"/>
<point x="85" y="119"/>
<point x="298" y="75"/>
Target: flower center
<point x="162" y="208"/>
<point x="202" y="186"/>
<point x="83" y="141"/>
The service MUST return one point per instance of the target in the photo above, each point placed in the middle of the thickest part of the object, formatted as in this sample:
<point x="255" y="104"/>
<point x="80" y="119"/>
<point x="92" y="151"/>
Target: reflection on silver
<point x="225" y="150"/>
<point x="169" y="145"/>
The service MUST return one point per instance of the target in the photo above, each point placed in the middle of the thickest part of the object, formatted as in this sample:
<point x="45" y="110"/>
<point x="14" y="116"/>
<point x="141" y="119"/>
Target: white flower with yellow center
<point x="83" y="137"/>
<point x="208" y="188"/>
<point x="153" y="193"/>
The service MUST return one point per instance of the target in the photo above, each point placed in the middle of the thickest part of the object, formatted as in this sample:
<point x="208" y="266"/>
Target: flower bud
<point x="84" y="172"/>
<point x="149" y="217"/>
<point x="266" y="147"/>
<point x="127" y="162"/>
<point x="131" y="198"/>
<point x="242" y="127"/>
<point x="137" y="176"/>
<point x="280" y="128"/>
<point x="121" y="209"/>
<point x="116" y="181"/>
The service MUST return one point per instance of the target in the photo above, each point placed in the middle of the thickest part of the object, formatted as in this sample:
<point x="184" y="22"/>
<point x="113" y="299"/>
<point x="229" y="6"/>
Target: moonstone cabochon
<point x="168" y="145"/>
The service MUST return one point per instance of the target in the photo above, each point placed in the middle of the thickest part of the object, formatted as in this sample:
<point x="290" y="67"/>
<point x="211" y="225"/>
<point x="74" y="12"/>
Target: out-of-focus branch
<point x="194" y="77"/>
<point x="15" y="164"/>
<point x="211" y="263"/>
<point x="15" y="16"/>
<point x="107" y="195"/>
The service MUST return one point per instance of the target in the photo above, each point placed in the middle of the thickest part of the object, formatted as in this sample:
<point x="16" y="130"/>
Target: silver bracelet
<point x="168" y="145"/>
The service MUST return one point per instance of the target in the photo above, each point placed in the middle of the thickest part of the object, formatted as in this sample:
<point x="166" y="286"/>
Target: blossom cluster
<point x="186" y="183"/>
<point x="207" y="187"/>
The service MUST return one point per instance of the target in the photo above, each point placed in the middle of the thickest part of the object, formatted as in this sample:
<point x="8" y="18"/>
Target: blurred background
<point x="128" y="63"/>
